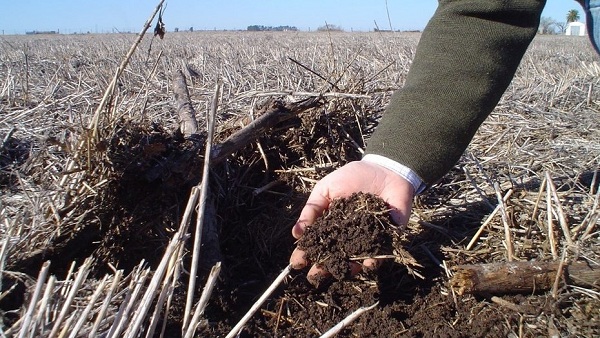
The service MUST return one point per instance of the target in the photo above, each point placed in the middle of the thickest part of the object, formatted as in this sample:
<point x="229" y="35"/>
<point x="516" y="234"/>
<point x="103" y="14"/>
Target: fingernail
<point x="297" y="265"/>
<point x="371" y="264"/>
<point x="297" y="230"/>
<point x="317" y="275"/>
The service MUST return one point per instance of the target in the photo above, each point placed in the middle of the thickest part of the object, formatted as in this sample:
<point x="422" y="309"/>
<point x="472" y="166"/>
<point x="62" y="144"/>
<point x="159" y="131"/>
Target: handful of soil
<point x="352" y="229"/>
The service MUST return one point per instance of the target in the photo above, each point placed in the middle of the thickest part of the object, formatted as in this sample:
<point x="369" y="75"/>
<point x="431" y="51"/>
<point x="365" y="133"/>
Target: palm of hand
<point x="353" y="177"/>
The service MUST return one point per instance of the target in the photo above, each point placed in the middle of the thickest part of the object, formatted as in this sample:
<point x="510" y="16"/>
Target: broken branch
<point x="275" y="112"/>
<point x="187" y="115"/>
<point x="521" y="277"/>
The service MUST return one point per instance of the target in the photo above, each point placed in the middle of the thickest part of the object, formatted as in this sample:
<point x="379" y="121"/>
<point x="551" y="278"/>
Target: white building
<point x="576" y="28"/>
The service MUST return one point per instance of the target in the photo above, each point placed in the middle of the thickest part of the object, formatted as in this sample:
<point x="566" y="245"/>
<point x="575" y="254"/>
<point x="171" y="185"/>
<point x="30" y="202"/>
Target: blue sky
<point x="68" y="16"/>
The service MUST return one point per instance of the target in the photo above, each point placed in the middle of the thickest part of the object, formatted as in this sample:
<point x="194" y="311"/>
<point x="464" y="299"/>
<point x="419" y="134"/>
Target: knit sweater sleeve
<point x="465" y="60"/>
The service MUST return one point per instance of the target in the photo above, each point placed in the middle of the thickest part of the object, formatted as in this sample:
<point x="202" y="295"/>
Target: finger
<point x="371" y="264"/>
<point x="317" y="274"/>
<point x="355" y="268"/>
<point x="400" y="218"/>
<point x="298" y="259"/>
<point x="400" y="203"/>
<point x="319" y="271"/>
<point x="315" y="205"/>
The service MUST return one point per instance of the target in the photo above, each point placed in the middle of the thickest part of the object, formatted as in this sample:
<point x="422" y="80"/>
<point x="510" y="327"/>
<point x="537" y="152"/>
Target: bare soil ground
<point x="120" y="196"/>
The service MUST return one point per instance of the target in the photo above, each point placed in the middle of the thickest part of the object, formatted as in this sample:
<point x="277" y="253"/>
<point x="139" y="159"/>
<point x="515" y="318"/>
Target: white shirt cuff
<point x="400" y="169"/>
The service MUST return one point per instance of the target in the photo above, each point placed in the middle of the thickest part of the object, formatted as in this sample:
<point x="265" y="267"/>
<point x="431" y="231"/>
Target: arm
<point x="465" y="60"/>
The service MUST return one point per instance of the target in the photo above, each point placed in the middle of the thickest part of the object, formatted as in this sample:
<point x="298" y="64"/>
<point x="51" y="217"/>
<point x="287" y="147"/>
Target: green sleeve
<point x="465" y="60"/>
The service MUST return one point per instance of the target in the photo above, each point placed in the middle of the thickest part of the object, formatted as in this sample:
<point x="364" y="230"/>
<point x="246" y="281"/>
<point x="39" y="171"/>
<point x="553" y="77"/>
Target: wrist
<point x="399" y="169"/>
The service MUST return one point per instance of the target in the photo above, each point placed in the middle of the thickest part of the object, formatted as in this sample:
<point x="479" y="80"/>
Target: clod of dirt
<point x="352" y="228"/>
<point x="13" y="153"/>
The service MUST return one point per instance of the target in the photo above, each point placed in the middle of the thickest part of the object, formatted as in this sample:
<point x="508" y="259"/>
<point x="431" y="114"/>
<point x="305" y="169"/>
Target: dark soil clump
<point x="351" y="229"/>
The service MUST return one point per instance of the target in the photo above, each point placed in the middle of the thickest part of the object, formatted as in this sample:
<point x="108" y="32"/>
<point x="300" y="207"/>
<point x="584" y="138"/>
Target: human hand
<point x="359" y="176"/>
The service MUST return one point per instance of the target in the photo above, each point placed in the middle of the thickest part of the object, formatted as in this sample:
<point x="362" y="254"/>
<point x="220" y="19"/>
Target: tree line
<point x="261" y="28"/>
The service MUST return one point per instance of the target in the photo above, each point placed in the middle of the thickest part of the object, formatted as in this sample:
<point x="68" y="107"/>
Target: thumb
<point x="399" y="198"/>
<point x="315" y="206"/>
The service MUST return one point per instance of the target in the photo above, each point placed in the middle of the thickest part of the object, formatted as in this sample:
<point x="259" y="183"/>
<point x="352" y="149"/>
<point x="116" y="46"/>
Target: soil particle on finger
<point x="352" y="228"/>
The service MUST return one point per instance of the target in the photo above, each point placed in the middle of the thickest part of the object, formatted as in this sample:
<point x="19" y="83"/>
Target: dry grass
<point x="541" y="143"/>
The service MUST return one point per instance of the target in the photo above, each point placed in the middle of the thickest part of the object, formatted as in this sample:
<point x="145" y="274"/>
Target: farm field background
<point x="73" y="187"/>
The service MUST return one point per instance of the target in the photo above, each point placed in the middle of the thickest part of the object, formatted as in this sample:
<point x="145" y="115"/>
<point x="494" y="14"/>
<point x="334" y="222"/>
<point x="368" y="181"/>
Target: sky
<point x="101" y="16"/>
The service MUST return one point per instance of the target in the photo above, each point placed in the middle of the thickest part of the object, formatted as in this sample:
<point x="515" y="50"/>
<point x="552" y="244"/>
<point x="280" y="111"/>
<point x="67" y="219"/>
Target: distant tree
<point x="176" y="29"/>
<point x="561" y="26"/>
<point x="330" y="28"/>
<point x="261" y="28"/>
<point x="573" y="16"/>
<point x="547" y="25"/>
<point x="256" y="28"/>
<point x="191" y="29"/>
<point x="287" y="28"/>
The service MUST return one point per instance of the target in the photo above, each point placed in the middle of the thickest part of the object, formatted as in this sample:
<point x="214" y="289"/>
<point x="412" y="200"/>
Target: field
<point x="87" y="172"/>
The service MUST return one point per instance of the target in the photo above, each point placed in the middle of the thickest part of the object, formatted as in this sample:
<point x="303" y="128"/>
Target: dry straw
<point x="347" y="321"/>
<point x="282" y="275"/>
<point x="201" y="207"/>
